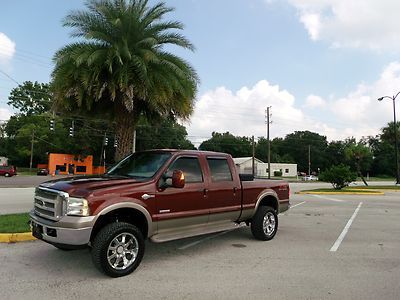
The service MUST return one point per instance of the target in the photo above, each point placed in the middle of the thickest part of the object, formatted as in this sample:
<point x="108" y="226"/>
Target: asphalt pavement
<point x="297" y="264"/>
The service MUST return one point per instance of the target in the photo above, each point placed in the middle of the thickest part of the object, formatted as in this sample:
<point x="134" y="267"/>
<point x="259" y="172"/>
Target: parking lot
<point x="313" y="256"/>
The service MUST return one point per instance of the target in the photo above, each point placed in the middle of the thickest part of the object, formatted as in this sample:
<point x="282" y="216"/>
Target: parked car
<point x="310" y="178"/>
<point x="8" y="171"/>
<point x="43" y="172"/>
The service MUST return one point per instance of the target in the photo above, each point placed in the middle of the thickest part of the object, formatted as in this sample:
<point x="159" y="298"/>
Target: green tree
<point x="360" y="156"/>
<point x="31" y="98"/>
<point x="166" y="134"/>
<point x="228" y="143"/>
<point x="297" y="144"/>
<point x="119" y="68"/>
<point x="339" y="176"/>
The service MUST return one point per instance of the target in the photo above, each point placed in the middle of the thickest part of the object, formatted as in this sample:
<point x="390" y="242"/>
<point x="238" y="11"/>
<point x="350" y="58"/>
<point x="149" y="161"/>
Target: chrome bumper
<point x="67" y="231"/>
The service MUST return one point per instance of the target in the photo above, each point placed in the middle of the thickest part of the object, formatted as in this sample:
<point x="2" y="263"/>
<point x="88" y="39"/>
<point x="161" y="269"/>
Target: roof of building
<point x="241" y="160"/>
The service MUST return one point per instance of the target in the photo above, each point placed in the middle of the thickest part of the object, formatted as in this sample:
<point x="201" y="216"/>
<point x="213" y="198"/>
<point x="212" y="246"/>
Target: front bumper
<point x="68" y="230"/>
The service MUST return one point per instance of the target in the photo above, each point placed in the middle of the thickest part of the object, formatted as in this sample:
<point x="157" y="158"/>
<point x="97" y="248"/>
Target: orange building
<point x="65" y="164"/>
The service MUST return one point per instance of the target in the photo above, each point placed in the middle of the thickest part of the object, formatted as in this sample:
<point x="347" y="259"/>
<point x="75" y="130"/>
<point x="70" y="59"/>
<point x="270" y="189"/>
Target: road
<point x="16" y="200"/>
<point x="297" y="264"/>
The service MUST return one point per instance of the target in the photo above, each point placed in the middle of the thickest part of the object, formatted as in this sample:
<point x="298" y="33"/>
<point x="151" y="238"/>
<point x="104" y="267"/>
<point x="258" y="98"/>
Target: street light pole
<point x="396" y="144"/>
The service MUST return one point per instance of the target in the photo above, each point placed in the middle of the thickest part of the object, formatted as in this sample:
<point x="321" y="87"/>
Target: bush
<point x="339" y="176"/>
<point x="277" y="173"/>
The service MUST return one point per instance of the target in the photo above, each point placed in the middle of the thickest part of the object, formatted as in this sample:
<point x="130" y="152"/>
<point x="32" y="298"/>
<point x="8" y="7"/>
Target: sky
<point x="319" y="64"/>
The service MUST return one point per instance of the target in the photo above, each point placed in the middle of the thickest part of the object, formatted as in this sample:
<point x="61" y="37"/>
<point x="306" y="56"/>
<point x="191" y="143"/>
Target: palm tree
<point x="119" y="69"/>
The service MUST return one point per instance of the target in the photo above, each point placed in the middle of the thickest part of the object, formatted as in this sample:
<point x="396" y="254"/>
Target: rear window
<point x="219" y="169"/>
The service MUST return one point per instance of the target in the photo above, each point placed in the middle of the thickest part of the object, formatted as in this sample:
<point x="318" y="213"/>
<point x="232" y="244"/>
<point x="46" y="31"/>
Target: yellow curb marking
<point x="16" y="237"/>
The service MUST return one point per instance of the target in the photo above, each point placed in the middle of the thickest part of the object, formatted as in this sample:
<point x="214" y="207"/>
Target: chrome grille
<point x="48" y="203"/>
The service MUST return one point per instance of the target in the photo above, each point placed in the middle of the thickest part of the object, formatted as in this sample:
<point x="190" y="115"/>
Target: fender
<point x="263" y="194"/>
<point x="126" y="204"/>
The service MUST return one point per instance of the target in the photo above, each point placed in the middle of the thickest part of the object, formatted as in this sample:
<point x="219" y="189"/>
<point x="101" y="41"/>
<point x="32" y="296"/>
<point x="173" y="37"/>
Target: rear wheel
<point x="118" y="249"/>
<point x="264" y="223"/>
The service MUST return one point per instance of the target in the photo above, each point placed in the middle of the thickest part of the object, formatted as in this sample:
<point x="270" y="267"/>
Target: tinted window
<point x="80" y="168"/>
<point x="140" y="164"/>
<point x="220" y="170"/>
<point x="190" y="167"/>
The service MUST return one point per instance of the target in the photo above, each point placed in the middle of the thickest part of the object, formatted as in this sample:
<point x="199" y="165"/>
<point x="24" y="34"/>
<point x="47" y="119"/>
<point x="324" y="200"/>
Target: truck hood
<point x="84" y="185"/>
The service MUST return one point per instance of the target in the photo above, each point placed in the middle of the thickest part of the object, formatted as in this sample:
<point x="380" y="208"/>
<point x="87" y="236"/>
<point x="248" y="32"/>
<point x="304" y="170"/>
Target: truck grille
<point x="48" y="203"/>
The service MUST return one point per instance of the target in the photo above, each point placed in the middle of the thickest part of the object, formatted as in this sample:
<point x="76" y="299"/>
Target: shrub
<point x="339" y="176"/>
<point x="277" y="173"/>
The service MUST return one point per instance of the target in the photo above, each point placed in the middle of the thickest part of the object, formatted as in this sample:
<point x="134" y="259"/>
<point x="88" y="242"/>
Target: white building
<point x="3" y="161"/>
<point x="244" y="166"/>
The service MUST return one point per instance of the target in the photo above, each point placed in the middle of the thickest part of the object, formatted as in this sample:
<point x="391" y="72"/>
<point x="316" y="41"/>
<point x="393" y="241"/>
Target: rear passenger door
<point x="223" y="191"/>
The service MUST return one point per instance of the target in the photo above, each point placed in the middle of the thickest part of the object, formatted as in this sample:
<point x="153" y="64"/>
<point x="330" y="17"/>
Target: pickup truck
<point x="161" y="195"/>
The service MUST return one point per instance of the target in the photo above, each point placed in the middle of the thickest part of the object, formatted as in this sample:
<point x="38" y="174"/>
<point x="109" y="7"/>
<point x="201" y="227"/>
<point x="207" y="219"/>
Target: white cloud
<point x="314" y="101"/>
<point x="242" y="112"/>
<point x="368" y="24"/>
<point x="5" y="114"/>
<point x="7" y="48"/>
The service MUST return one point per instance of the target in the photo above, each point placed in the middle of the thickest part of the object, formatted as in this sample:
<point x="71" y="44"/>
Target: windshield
<point x="140" y="165"/>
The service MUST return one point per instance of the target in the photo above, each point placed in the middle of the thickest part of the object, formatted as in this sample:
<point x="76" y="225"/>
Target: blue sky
<point x="320" y="64"/>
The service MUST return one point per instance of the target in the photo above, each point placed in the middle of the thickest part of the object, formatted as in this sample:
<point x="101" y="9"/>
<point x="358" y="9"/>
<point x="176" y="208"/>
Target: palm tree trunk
<point x="360" y="174"/>
<point x="125" y="125"/>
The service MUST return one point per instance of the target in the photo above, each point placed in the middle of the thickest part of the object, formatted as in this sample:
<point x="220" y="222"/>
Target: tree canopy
<point x="120" y="69"/>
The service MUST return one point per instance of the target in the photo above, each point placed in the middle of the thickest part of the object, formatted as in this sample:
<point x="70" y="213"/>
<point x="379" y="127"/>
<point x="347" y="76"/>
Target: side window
<point x="220" y="170"/>
<point x="190" y="167"/>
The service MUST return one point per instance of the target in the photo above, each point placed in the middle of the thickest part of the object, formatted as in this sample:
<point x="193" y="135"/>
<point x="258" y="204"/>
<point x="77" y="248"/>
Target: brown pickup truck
<point x="161" y="195"/>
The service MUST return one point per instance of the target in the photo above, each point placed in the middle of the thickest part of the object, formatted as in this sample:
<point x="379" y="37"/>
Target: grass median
<point x="14" y="223"/>
<point x="342" y="191"/>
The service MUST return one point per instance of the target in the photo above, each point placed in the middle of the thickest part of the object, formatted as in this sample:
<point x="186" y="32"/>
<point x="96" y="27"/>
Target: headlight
<point x="77" y="207"/>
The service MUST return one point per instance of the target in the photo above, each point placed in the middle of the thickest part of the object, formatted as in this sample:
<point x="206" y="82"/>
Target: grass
<point x="25" y="171"/>
<point x="14" y="223"/>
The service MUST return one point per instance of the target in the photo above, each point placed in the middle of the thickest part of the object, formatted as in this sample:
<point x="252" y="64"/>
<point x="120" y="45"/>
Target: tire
<point x="7" y="174"/>
<point x="264" y="224"/>
<point x="115" y="243"/>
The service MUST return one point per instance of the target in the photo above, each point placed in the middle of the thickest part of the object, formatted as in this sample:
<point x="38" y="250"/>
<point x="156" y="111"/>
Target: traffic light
<point x="71" y="130"/>
<point x="105" y="141"/>
<point x="115" y="142"/>
<point x="52" y="124"/>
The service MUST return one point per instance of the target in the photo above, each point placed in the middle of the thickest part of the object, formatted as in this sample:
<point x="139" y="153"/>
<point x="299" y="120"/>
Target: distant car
<point x="310" y="178"/>
<point x="8" y="171"/>
<point x="43" y="172"/>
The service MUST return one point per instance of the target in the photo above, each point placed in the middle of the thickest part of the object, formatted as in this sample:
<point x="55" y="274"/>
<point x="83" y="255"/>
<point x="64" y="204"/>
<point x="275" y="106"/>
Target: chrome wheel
<point x="269" y="223"/>
<point x="122" y="251"/>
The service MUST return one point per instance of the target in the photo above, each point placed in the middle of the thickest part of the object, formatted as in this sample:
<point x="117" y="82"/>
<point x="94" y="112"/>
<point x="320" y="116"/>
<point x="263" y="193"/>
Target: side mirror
<point x="178" y="179"/>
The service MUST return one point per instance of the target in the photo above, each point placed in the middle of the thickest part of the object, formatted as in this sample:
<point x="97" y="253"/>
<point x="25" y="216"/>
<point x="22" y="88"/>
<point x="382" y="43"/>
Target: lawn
<point x="14" y="223"/>
<point x="342" y="191"/>
<point x="376" y="187"/>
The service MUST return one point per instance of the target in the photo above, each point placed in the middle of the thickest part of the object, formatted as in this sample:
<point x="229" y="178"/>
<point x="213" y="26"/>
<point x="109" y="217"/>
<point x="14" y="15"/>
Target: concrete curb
<point x="16" y="237"/>
<point x="341" y="193"/>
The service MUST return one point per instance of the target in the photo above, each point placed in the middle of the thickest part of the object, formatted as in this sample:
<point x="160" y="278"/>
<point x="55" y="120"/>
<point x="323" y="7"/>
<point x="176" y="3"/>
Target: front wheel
<point x="264" y="223"/>
<point x="118" y="249"/>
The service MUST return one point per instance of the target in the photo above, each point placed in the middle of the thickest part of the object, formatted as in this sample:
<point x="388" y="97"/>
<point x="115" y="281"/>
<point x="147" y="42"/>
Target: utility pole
<point x="253" y="158"/>
<point x="309" y="159"/>
<point x="267" y="121"/>
<point x="134" y="142"/>
<point x="33" y="140"/>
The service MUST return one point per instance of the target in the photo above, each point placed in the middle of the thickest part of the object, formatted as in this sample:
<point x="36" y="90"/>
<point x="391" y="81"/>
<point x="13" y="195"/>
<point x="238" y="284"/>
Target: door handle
<point x="205" y="191"/>
<point x="234" y="190"/>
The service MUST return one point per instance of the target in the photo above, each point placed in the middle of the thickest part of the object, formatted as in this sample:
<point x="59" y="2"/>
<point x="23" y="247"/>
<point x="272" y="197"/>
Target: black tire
<point x="108" y="236"/>
<point x="264" y="231"/>
<point x="7" y="174"/>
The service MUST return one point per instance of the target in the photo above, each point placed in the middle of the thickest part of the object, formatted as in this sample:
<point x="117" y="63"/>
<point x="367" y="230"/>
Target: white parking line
<point x="220" y="233"/>
<point x="328" y="198"/>
<point x="345" y="230"/>
<point x="297" y="204"/>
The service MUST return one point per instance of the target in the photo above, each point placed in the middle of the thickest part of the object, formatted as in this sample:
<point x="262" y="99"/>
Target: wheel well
<point x="269" y="201"/>
<point x="128" y="215"/>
